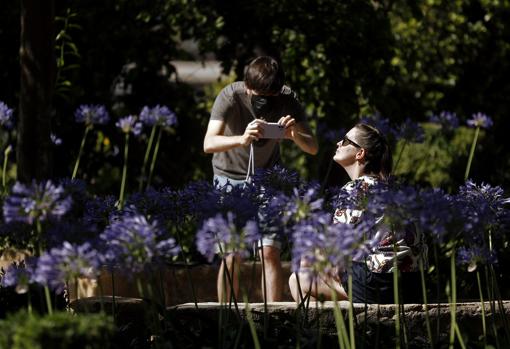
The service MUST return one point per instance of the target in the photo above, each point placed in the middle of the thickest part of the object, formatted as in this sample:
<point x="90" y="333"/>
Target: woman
<point x="366" y="157"/>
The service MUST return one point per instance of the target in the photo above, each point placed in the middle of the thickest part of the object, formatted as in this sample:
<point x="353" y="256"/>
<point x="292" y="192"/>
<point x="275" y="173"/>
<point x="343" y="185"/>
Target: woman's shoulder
<point x="361" y="183"/>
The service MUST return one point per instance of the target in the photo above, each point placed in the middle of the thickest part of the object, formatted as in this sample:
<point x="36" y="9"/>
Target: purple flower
<point x="411" y="131"/>
<point x="36" y="202"/>
<point x="129" y="124"/>
<point x="448" y="120"/>
<point x="55" y="140"/>
<point x="19" y="275"/>
<point x="330" y="134"/>
<point x="326" y="246"/>
<point x="159" y="115"/>
<point x="134" y="243"/>
<point x="67" y="263"/>
<point x="157" y="205"/>
<point x="480" y="120"/>
<point x="281" y="213"/>
<point x="6" y="118"/>
<point x="474" y="256"/>
<point x="92" y="114"/>
<point x="278" y="179"/>
<point x="480" y="208"/>
<point x="380" y="123"/>
<point x="99" y="210"/>
<point x="232" y="237"/>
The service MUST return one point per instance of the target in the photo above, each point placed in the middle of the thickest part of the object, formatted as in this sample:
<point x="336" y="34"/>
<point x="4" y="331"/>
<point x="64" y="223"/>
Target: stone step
<point x="375" y="323"/>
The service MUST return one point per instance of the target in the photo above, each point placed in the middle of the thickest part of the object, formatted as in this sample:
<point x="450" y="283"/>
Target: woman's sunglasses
<point x="346" y="141"/>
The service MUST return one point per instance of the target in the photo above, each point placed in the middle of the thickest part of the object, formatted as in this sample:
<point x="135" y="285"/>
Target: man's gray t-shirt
<point x="233" y="106"/>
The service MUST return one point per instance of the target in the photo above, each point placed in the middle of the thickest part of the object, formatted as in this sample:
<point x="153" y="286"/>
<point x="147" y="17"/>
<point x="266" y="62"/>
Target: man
<point x="237" y="121"/>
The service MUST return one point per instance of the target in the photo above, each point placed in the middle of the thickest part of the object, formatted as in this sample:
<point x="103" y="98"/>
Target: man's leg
<point x="233" y="263"/>
<point x="273" y="273"/>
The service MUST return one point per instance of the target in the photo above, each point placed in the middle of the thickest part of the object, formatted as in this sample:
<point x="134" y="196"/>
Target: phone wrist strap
<point x="251" y="164"/>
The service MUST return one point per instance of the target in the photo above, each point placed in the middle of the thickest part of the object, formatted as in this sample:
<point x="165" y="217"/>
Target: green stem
<point x="40" y="252"/>
<point x="352" y="337"/>
<point x="264" y="288"/>
<point x="114" y="305"/>
<point x="154" y="156"/>
<point x="397" y="303"/>
<point x="29" y="299"/>
<point x="484" y="328"/>
<point x="124" y="172"/>
<point x="188" y="273"/>
<point x="146" y="157"/>
<point x="399" y="156"/>
<point x="82" y="145"/>
<point x="459" y="336"/>
<point x="7" y="151"/>
<point x="471" y="153"/>
<point x="341" y="330"/>
<point x="425" y="302"/>
<point x="453" y="304"/>
<point x="253" y="331"/>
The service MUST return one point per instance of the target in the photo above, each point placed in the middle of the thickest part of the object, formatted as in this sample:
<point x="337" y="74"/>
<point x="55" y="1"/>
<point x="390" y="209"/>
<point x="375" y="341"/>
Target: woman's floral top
<point x="405" y="245"/>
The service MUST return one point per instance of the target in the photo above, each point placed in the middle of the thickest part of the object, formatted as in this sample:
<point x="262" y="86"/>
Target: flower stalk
<point x="82" y="146"/>
<point x="146" y="157"/>
<point x="471" y="153"/>
<point x="124" y="171"/>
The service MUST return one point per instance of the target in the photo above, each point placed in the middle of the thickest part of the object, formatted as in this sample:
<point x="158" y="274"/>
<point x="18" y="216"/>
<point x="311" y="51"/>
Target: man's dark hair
<point x="264" y="76"/>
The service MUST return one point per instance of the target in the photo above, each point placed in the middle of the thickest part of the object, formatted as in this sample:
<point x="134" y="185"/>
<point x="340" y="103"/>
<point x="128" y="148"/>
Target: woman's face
<point x="347" y="148"/>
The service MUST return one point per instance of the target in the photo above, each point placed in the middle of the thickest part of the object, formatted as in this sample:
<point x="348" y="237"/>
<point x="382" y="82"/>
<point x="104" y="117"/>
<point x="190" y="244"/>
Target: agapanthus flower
<point x="55" y="139"/>
<point x="223" y="230"/>
<point x="129" y="124"/>
<point x="36" y="202"/>
<point x="480" y="120"/>
<point x="474" y="256"/>
<point x="158" y="115"/>
<point x="274" y="180"/>
<point x="134" y="243"/>
<point x="92" y="114"/>
<point x="325" y="246"/>
<point x="330" y="134"/>
<point x="281" y="213"/>
<point x="410" y="131"/>
<point x="448" y="120"/>
<point x="158" y="205"/>
<point x="19" y="275"/>
<point x="6" y="118"/>
<point x="193" y="197"/>
<point x="99" y="210"/>
<point x="380" y="123"/>
<point x="481" y="207"/>
<point x="67" y="263"/>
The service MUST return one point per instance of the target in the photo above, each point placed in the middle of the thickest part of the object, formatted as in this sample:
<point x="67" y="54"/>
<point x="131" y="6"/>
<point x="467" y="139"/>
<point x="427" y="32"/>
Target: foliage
<point x="60" y="330"/>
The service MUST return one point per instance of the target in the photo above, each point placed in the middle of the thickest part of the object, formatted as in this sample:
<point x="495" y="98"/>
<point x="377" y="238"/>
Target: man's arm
<point x="300" y="133"/>
<point x="215" y="141"/>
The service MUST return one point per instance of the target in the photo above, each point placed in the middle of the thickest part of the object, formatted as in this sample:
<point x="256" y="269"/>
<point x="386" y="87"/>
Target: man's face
<point x="261" y="102"/>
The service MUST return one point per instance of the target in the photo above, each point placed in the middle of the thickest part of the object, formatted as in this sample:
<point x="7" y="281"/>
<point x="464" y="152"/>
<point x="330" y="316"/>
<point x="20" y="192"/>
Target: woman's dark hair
<point x="378" y="159"/>
<point x="264" y="75"/>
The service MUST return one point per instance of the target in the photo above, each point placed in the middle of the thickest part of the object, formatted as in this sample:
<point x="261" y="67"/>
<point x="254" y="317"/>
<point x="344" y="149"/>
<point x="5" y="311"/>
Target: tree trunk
<point x="36" y="90"/>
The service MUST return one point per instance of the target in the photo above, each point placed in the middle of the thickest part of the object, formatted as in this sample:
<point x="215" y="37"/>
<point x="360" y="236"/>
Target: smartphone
<point x="273" y="130"/>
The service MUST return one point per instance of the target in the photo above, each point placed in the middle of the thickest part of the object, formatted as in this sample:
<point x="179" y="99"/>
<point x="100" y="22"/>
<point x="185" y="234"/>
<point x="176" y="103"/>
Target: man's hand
<point x="253" y="132"/>
<point x="288" y="122"/>
<point x="300" y="134"/>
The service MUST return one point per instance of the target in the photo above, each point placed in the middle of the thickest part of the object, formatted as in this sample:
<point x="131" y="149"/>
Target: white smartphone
<point x="273" y="130"/>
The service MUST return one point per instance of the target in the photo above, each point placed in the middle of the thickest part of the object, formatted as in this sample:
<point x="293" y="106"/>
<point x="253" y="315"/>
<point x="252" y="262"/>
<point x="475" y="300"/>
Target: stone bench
<point x="375" y="322"/>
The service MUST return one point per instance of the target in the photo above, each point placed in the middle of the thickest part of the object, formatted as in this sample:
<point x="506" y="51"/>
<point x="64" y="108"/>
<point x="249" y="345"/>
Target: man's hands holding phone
<point x="259" y="128"/>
